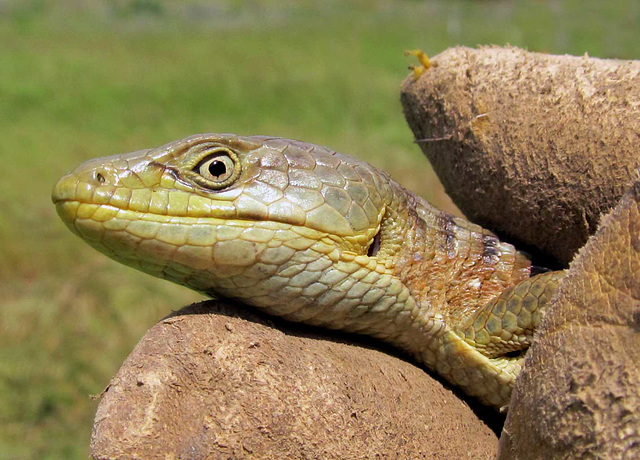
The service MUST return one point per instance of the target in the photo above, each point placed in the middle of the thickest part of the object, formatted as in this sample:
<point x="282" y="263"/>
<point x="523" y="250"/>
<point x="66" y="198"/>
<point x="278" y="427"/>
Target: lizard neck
<point x="451" y="264"/>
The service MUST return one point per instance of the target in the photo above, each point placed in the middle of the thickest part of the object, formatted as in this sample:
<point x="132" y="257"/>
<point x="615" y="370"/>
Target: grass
<point x="85" y="79"/>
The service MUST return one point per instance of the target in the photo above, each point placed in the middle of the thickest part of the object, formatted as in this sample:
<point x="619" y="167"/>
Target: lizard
<point x="315" y="236"/>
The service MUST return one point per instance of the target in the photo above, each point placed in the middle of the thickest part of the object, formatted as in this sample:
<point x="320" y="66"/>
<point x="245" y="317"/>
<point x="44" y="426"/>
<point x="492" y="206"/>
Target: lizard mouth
<point x="153" y="242"/>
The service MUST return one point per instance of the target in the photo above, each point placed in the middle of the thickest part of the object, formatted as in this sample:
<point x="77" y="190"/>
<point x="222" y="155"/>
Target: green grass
<point x="85" y="79"/>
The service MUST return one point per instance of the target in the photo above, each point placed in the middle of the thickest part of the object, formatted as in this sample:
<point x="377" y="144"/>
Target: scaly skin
<point x="315" y="236"/>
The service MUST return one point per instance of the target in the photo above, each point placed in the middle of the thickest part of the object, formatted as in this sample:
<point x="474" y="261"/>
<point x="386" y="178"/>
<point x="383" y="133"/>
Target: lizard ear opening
<point x="374" y="247"/>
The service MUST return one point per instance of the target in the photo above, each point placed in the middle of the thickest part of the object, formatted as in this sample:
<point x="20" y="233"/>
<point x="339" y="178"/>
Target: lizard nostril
<point x="100" y="178"/>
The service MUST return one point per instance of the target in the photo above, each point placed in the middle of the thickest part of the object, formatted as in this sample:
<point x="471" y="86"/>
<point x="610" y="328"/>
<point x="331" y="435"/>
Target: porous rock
<point x="579" y="393"/>
<point x="533" y="146"/>
<point x="216" y="381"/>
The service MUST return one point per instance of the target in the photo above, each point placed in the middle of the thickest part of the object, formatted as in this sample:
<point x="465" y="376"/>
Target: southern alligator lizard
<point x="315" y="236"/>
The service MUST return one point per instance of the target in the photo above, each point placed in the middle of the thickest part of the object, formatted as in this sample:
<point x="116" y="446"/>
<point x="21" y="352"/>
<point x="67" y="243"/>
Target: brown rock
<point x="579" y="393"/>
<point x="531" y="145"/>
<point x="215" y="381"/>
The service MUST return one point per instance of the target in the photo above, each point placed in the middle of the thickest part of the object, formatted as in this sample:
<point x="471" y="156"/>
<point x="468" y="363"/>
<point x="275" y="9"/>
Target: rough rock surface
<point x="531" y="145"/>
<point x="216" y="381"/>
<point x="579" y="393"/>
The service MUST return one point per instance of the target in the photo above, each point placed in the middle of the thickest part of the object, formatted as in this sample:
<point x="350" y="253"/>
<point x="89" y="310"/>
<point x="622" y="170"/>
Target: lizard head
<point x="237" y="216"/>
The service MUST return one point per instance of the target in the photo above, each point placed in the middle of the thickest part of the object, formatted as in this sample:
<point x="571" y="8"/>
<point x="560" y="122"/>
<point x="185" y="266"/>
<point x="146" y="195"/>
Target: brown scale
<point x="455" y="267"/>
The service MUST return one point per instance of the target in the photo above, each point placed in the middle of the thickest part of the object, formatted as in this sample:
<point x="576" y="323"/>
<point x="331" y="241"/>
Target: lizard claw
<point x="425" y="63"/>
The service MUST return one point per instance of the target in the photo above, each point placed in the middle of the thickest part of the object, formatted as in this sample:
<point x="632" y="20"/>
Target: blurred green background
<point x="87" y="78"/>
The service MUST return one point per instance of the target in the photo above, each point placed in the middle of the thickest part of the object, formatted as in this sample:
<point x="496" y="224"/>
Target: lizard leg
<point x="507" y="323"/>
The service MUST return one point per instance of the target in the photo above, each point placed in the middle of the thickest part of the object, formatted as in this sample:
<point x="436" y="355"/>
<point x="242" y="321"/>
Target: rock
<point x="217" y="381"/>
<point x="579" y="393"/>
<point x="533" y="146"/>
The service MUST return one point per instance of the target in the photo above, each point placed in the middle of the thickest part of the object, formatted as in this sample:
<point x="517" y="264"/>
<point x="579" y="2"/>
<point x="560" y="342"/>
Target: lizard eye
<point x="216" y="169"/>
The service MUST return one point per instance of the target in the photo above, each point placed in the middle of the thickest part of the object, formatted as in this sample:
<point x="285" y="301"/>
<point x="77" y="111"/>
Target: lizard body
<point x="315" y="236"/>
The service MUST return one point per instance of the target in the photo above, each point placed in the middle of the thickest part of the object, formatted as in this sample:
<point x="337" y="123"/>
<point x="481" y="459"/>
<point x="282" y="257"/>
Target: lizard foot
<point x="425" y="63"/>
